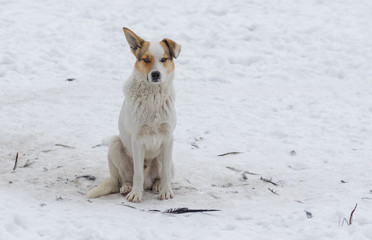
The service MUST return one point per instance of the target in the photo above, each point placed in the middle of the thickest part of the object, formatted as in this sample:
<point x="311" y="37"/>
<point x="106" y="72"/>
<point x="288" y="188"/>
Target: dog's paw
<point x="134" y="196"/>
<point x="126" y="188"/>
<point x="156" y="186"/>
<point x="165" y="194"/>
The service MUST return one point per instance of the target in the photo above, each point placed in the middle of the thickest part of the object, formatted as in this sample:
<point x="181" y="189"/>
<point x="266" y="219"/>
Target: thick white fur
<point x="146" y="124"/>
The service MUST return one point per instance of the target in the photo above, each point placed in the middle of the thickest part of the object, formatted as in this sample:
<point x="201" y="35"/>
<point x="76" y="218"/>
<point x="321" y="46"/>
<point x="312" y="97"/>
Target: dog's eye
<point x="163" y="60"/>
<point x="146" y="60"/>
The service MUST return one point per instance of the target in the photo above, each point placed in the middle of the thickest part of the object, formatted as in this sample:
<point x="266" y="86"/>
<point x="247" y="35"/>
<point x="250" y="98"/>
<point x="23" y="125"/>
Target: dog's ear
<point x="135" y="42"/>
<point x="174" y="48"/>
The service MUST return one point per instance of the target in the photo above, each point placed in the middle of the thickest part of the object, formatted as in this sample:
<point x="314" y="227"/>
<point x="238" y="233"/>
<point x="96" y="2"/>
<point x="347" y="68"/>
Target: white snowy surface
<point x="260" y="77"/>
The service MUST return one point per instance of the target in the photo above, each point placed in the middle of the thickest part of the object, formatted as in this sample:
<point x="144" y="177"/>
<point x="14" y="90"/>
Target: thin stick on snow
<point x="28" y="163"/>
<point x="173" y="210"/>
<point x="187" y="210"/>
<point x="228" y="153"/>
<point x="269" y="181"/>
<point x="62" y="145"/>
<point x="350" y="218"/>
<point x="352" y="213"/>
<point x="240" y="171"/>
<point x="234" y="169"/>
<point x="126" y="205"/>
<point x="271" y="190"/>
<point x="88" y="177"/>
<point x="251" y="173"/>
<point x="343" y="221"/>
<point x="15" y="162"/>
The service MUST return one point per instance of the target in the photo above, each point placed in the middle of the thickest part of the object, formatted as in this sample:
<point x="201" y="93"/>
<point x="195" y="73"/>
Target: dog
<point x="141" y="156"/>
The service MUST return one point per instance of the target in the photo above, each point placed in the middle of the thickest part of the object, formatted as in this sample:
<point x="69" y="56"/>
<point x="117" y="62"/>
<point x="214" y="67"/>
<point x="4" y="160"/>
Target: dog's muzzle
<point x="155" y="76"/>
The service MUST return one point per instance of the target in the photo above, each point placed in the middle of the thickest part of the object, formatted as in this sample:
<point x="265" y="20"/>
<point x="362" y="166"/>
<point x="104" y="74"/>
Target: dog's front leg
<point x="138" y="152"/>
<point x="166" y="173"/>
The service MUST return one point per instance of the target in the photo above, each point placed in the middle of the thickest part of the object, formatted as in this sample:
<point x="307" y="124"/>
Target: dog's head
<point x="154" y="59"/>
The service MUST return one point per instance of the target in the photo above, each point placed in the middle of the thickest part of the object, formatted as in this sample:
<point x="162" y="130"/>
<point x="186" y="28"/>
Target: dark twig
<point x="350" y="218"/>
<point x="296" y="169"/>
<point x="62" y="145"/>
<point x="174" y="210"/>
<point x="154" y="210"/>
<point x="195" y="145"/>
<point x="126" y="205"/>
<point x="187" y="210"/>
<point x="95" y="146"/>
<point x="228" y="153"/>
<point x="269" y="181"/>
<point x="15" y="162"/>
<point x="240" y="171"/>
<point x="234" y="169"/>
<point x="352" y="213"/>
<point x="88" y="177"/>
<point x="271" y="190"/>
<point x="250" y="173"/>
<point x="28" y="163"/>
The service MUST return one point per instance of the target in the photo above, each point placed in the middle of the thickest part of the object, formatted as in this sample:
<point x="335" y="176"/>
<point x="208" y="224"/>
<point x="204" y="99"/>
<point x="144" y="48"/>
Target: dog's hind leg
<point x="156" y="186"/>
<point x="120" y="170"/>
<point x="126" y="188"/>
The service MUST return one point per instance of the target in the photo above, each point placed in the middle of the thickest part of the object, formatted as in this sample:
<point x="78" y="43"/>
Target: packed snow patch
<point x="287" y="84"/>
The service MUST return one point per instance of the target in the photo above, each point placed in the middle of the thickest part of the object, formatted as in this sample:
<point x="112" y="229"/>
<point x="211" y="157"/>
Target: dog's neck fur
<point x="140" y="93"/>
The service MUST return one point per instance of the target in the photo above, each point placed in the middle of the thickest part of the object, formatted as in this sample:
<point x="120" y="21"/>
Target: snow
<point x="265" y="78"/>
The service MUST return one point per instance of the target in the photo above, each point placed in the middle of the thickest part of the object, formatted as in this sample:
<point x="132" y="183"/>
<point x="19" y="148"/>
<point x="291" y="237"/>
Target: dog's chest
<point x="152" y="130"/>
<point x="149" y="114"/>
<point x="155" y="127"/>
<point x="153" y="134"/>
<point x="156" y="121"/>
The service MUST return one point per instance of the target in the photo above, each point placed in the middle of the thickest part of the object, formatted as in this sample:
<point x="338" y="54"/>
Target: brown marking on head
<point x="139" y="48"/>
<point x="143" y="50"/>
<point x="168" y="64"/>
<point x="174" y="48"/>
<point x="145" y="64"/>
<point x="135" y="42"/>
<point x="155" y="65"/>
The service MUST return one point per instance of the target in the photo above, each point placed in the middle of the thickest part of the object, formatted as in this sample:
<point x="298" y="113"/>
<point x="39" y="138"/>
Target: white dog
<point x="142" y="153"/>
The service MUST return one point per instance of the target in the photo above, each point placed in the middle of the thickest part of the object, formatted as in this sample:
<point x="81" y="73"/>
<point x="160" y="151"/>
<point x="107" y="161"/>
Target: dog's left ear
<point x="174" y="48"/>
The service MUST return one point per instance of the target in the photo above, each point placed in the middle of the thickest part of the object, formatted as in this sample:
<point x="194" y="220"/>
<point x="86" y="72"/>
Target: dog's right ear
<point x="135" y="42"/>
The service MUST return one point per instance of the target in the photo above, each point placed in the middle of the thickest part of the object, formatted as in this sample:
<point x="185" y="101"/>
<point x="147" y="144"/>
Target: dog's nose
<point x="155" y="76"/>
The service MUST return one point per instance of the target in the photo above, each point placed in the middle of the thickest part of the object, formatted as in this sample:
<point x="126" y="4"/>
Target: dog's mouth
<point x="149" y="80"/>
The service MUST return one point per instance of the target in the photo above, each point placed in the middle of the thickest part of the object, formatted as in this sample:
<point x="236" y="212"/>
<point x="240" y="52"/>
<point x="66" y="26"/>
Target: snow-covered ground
<point x="287" y="83"/>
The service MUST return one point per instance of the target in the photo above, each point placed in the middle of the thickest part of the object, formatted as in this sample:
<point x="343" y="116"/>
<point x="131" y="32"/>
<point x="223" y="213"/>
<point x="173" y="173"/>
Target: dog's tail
<point x="108" y="186"/>
<point x="116" y="154"/>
